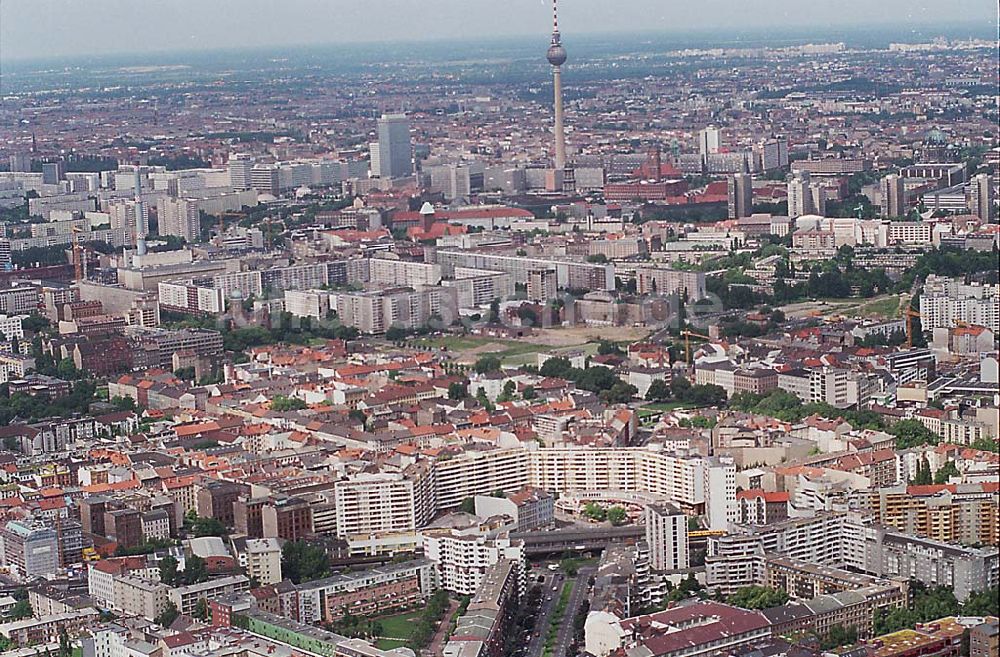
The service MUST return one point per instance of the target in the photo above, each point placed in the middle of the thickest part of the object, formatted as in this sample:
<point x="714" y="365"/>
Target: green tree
<point x="168" y="616"/>
<point x="570" y="566"/>
<point x="457" y="391"/>
<point x="66" y="369"/>
<point x="945" y="472"/>
<point x="605" y="347"/>
<point x="839" y="636"/>
<point x="528" y="316"/>
<point x="619" y="393"/>
<point x="281" y="403"/>
<point x="595" y="511"/>
<point x="395" y="334"/>
<point x="557" y="367"/>
<point x="679" y="387"/>
<point x="185" y="373"/>
<point x="468" y="505"/>
<point x="983" y="603"/>
<point x="912" y="433"/>
<point x="659" y="391"/>
<point x="21" y="609"/>
<point x="617" y="516"/>
<point x="65" y="643"/>
<point x="195" y="570"/>
<point x="201" y="609"/>
<point x="509" y="389"/>
<point x="484" y="400"/>
<point x="986" y="445"/>
<point x="487" y="364"/>
<point x="304" y="562"/>
<point x="923" y="476"/>
<point x="528" y="393"/>
<point x="758" y="597"/>
<point x="168" y="570"/>
<point x="123" y="403"/>
<point x="200" y="526"/>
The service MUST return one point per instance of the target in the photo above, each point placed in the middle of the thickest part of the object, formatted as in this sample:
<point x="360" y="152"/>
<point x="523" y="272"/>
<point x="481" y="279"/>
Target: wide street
<point x="550" y="599"/>
<point x="581" y="589"/>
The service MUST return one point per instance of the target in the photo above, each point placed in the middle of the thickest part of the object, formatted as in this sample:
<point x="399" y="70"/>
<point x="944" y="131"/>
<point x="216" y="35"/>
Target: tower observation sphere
<point x="556" y="54"/>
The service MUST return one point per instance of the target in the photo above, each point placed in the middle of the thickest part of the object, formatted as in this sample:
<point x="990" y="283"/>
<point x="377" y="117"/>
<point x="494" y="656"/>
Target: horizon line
<point x="937" y="26"/>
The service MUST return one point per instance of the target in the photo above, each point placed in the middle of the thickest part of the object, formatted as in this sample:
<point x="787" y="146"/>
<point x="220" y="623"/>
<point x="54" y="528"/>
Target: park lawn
<point x="399" y="627"/>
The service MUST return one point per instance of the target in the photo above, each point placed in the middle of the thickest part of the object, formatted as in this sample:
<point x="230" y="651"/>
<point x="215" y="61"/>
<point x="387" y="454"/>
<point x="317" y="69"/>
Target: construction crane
<point x="687" y="343"/>
<point x="910" y="313"/>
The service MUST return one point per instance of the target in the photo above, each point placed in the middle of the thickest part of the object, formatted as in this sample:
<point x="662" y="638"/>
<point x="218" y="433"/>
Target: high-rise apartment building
<point x="709" y="140"/>
<point x="374" y="159"/>
<point x="774" y="154"/>
<point x="395" y="149"/>
<point x="542" y="285"/>
<point x="799" y="197"/>
<point x="893" y="196"/>
<point x="180" y="217"/>
<point x="980" y="196"/>
<point x="132" y="218"/>
<point x="20" y="162"/>
<point x="817" y="199"/>
<point x="666" y="534"/>
<point x="265" y="179"/>
<point x="945" y="301"/>
<point x="240" y="168"/>
<point x="569" y="273"/>
<point x="53" y="172"/>
<point x="377" y="311"/>
<point x="721" y="508"/>
<point x="740" y="195"/>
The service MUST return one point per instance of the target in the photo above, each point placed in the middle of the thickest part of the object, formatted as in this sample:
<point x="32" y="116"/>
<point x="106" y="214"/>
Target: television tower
<point x="557" y="57"/>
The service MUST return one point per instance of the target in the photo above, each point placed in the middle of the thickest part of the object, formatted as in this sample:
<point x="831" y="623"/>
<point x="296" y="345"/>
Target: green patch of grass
<point x="399" y="626"/>
<point x="888" y="308"/>
<point x="389" y="644"/>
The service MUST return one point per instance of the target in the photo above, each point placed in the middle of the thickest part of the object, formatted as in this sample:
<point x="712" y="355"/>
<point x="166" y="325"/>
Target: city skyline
<point x="30" y="31"/>
<point x="552" y="328"/>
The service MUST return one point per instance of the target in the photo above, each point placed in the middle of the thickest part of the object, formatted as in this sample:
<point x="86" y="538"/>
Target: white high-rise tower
<point x="557" y="57"/>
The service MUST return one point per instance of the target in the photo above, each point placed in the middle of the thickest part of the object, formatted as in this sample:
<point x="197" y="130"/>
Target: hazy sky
<point x="44" y="28"/>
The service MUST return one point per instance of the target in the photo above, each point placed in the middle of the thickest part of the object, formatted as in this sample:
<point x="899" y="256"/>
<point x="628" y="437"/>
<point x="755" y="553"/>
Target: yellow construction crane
<point x="687" y="343"/>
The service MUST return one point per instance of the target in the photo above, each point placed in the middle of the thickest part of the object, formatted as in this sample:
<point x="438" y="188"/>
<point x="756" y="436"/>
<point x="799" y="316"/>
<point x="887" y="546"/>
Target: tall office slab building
<point x="395" y="150"/>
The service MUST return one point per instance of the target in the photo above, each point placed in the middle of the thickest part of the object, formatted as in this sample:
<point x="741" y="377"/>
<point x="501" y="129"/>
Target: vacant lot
<point x="466" y="349"/>
<point x="882" y="307"/>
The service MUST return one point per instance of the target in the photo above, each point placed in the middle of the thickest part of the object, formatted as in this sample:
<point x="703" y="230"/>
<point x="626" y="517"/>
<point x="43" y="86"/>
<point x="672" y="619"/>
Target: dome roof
<point x="426" y="208"/>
